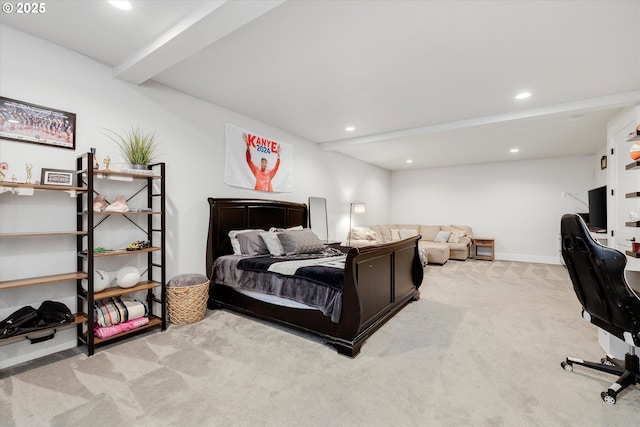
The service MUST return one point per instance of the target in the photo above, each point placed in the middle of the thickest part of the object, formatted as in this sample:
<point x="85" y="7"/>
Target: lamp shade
<point x="359" y="207"/>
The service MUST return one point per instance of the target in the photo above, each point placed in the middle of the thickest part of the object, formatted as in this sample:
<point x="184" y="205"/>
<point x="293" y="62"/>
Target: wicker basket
<point x="187" y="304"/>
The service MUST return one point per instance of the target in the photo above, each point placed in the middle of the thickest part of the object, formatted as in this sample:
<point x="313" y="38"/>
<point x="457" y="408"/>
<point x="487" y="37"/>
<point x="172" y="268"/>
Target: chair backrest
<point x="597" y="274"/>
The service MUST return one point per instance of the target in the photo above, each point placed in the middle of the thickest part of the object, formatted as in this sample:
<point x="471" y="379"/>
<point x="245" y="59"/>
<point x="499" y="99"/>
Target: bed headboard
<point x="238" y="214"/>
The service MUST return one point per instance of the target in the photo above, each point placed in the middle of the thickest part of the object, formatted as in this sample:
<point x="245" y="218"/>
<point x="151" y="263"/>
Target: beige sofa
<point x="456" y="244"/>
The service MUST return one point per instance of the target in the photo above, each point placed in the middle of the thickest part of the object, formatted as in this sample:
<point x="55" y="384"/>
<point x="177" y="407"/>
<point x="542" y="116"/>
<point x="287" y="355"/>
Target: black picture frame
<point x="60" y="177"/>
<point x="25" y="122"/>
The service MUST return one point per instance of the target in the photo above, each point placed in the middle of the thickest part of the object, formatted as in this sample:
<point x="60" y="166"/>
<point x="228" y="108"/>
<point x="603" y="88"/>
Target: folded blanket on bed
<point x="111" y="311"/>
<point x="109" y="331"/>
<point x="326" y="271"/>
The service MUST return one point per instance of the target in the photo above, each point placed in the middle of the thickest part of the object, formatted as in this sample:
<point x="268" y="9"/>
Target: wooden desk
<point x="489" y="244"/>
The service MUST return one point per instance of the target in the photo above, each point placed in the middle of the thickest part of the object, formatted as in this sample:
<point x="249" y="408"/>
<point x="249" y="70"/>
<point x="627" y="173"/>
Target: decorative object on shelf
<point x="107" y="162"/>
<point x="634" y="152"/>
<point x="138" y="245"/>
<point x="36" y="124"/>
<point x="29" y="168"/>
<point x="603" y="162"/>
<point x="127" y="276"/>
<point x="3" y="167"/>
<point x="58" y="177"/>
<point x="14" y="178"/>
<point x="96" y="165"/>
<point x="137" y="146"/>
<point x="99" y="203"/>
<point x="101" y="280"/>
<point x="120" y="205"/>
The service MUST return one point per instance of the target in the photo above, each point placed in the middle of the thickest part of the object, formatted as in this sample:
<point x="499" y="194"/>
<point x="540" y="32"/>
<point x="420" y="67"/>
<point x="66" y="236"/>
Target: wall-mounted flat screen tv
<point x="598" y="209"/>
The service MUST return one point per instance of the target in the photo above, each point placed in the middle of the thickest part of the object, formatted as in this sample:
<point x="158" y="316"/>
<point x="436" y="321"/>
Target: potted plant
<point x="137" y="146"/>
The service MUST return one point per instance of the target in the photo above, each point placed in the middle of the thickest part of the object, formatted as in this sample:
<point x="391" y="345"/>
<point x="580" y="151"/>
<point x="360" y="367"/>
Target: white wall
<point x="518" y="203"/>
<point x="192" y="143"/>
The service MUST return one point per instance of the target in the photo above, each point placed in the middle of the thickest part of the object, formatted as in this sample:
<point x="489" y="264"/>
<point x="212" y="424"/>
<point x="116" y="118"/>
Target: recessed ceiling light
<point x="408" y="161"/>
<point x="523" y="95"/>
<point x="350" y="128"/>
<point x="122" y="5"/>
<point x="514" y="150"/>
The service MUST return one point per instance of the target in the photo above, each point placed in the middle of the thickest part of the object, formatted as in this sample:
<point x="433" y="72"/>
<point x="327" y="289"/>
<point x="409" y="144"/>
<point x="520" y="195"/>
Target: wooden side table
<point x="489" y="244"/>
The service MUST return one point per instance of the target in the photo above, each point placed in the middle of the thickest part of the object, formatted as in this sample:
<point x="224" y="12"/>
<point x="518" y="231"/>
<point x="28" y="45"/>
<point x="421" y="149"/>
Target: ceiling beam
<point x="204" y="26"/>
<point x="577" y="107"/>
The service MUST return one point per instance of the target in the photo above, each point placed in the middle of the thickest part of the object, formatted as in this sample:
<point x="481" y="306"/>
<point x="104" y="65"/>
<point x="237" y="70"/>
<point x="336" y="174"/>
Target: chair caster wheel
<point x="567" y="366"/>
<point x="609" y="397"/>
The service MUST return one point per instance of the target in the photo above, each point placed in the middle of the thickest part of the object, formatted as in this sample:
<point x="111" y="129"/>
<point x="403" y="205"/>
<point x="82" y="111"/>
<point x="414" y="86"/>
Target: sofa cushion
<point x="405" y="233"/>
<point x="456" y="227"/>
<point x="442" y="236"/>
<point x="363" y="233"/>
<point x="429" y="232"/>
<point x="456" y="236"/>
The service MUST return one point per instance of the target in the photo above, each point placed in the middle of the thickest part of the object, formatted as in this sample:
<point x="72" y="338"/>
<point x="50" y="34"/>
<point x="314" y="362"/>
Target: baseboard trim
<point x="529" y="258"/>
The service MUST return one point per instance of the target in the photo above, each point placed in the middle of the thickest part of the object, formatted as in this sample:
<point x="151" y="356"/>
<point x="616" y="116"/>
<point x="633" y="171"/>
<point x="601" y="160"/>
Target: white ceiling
<point x="433" y="81"/>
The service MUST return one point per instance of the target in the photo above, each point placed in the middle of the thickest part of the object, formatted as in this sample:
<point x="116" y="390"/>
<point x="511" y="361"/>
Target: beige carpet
<point x="482" y="347"/>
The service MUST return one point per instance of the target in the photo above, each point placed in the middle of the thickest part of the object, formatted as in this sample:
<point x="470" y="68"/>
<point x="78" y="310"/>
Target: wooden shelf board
<point x="634" y="136"/>
<point x="632" y="254"/>
<point x="154" y="322"/>
<point x="632" y="195"/>
<point x="42" y="280"/>
<point x="44" y="233"/>
<point x="106" y="173"/>
<point x="634" y="165"/>
<point x="632" y="224"/>
<point x="41" y="186"/>
<point x="117" y="291"/>
<point x="80" y="318"/>
<point x="125" y="252"/>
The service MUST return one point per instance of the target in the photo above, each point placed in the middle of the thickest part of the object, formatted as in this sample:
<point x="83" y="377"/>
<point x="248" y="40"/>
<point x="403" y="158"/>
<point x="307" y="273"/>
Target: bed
<point x="378" y="280"/>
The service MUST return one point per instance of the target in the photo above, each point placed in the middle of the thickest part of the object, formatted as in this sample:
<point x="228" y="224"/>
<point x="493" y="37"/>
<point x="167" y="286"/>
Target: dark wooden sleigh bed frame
<point x="379" y="280"/>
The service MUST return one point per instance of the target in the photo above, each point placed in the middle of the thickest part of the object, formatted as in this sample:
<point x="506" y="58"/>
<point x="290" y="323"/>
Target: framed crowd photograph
<point x="58" y="177"/>
<point x="26" y="122"/>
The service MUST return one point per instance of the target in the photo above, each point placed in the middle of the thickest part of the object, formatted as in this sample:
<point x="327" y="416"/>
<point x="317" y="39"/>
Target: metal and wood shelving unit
<point x="80" y="317"/>
<point x="633" y="137"/>
<point x="88" y="221"/>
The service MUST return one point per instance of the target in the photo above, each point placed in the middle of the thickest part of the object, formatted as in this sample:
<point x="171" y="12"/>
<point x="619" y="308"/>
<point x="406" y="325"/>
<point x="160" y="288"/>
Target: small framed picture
<point x="58" y="177"/>
<point x="603" y="162"/>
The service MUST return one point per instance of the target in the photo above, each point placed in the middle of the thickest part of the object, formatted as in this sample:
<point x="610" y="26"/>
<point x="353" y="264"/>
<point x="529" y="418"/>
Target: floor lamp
<point x="356" y="208"/>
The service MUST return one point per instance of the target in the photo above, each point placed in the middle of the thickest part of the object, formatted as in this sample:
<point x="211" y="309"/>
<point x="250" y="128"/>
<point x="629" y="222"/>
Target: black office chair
<point x="597" y="273"/>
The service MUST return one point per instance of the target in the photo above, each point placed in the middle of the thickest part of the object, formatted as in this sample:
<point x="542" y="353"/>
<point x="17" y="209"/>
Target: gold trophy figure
<point x="107" y="162"/>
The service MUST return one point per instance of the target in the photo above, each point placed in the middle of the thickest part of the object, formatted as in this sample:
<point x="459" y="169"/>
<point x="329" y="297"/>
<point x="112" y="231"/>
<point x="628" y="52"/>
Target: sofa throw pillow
<point x="359" y="233"/>
<point x="406" y="233"/>
<point x="273" y="243"/>
<point x="456" y="236"/>
<point x="442" y="237"/>
<point x="395" y="235"/>
<point x="251" y="243"/>
<point x="300" y="242"/>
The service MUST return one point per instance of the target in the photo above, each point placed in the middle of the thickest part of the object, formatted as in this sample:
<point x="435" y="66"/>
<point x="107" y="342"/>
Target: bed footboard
<point x="379" y="281"/>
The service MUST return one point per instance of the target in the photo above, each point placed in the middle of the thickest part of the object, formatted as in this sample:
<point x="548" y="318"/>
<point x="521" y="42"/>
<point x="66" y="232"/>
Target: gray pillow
<point x="300" y="242"/>
<point x="251" y="243"/>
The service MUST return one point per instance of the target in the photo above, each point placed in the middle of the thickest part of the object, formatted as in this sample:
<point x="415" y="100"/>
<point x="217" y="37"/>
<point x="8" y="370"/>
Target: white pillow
<point x="395" y="235"/>
<point x="273" y="243"/>
<point x="456" y="236"/>
<point x="442" y="237"/>
<point x="406" y="233"/>
<point x="235" y="243"/>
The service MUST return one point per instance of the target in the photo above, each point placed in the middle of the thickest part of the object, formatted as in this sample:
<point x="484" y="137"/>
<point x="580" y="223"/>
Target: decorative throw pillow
<point x="442" y="237"/>
<point x="251" y="243"/>
<point x="360" y="233"/>
<point x="406" y="233"/>
<point x="456" y="236"/>
<point x="235" y="244"/>
<point x="395" y="235"/>
<point x="300" y="242"/>
<point x="273" y="243"/>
